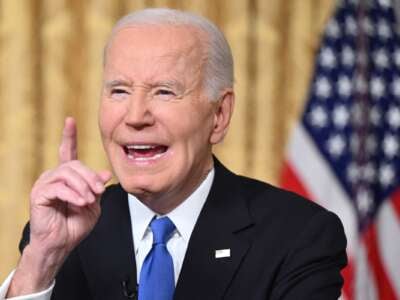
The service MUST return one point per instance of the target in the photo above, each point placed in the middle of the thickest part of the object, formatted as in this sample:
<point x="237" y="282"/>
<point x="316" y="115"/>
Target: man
<point x="167" y="98"/>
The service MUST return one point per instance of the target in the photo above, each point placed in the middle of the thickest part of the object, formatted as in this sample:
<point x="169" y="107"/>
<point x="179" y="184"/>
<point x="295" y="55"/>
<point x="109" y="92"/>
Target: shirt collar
<point x="184" y="216"/>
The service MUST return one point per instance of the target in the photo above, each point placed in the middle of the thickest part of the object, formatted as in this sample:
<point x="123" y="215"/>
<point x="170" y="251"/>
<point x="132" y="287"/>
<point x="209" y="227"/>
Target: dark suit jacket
<point x="282" y="247"/>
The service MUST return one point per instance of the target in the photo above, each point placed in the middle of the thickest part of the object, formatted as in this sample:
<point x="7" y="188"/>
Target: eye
<point x="164" y="94"/>
<point x="118" y="93"/>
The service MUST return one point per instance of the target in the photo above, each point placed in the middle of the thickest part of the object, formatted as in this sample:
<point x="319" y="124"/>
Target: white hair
<point x="218" y="73"/>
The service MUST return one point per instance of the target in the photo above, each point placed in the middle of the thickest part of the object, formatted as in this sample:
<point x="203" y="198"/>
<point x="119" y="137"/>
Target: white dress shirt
<point x="183" y="216"/>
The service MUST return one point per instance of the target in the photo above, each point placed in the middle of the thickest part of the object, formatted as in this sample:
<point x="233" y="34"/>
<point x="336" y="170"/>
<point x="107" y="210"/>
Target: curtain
<point x="51" y="64"/>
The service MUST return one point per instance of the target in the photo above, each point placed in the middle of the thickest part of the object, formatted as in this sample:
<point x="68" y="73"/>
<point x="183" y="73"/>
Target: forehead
<point x="155" y="48"/>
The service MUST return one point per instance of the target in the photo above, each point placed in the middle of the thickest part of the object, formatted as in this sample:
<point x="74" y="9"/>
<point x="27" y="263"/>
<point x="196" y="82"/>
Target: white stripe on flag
<point x="365" y="287"/>
<point x="388" y="231"/>
<point x="316" y="176"/>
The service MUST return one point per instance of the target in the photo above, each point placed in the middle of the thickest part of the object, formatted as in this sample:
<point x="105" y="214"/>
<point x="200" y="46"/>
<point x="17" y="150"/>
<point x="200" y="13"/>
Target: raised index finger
<point x="67" y="150"/>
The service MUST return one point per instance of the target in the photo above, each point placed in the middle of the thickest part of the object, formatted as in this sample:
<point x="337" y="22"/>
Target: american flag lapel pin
<point x="221" y="253"/>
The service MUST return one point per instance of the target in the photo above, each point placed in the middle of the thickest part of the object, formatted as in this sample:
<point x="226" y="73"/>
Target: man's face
<point x="156" y="122"/>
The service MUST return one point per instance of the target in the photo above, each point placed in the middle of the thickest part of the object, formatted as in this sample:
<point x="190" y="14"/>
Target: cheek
<point x="196" y="129"/>
<point x="109" y="118"/>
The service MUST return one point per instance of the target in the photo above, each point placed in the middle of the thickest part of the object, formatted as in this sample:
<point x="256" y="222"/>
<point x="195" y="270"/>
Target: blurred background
<point x="51" y="67"/>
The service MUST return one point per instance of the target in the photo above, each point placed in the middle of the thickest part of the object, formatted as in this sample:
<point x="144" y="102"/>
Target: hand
<point x="64" y="208"/>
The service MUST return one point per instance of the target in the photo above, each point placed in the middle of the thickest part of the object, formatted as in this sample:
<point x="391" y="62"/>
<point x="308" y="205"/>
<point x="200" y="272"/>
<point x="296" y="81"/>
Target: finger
<point x="73" y="180"/>
<point x="44" y="175"/>
<point x="66" y="194"/>
<point x="93" y="209"/>
<point x="105" y="176"/>
<point x="60" y="192"/>
<point x="93" y="179"/>
<point x="68" y="146"/>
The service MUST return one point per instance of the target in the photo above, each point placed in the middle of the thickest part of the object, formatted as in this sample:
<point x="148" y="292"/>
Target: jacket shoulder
<point x="276" y="207"/>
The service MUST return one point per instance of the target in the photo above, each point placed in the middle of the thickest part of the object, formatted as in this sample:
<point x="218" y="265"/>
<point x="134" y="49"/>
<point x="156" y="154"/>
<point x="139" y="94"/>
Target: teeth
<point x="145" y="158"/>
<point x="140" y="147"/>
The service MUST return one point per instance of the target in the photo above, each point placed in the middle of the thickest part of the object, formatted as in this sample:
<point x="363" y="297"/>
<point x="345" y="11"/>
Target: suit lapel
<point x="107" y="254"/>
<point x="108" y="258"/>
<point x="221" y="225"/>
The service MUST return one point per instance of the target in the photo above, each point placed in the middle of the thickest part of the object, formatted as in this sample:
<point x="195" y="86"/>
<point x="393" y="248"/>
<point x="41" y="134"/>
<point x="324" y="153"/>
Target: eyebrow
<point x="167" y="83"/>
<point x="117" y="82"/>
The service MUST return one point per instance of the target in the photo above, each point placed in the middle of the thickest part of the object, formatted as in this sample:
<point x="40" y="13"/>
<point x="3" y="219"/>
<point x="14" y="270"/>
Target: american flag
<point x="345" y="151"/>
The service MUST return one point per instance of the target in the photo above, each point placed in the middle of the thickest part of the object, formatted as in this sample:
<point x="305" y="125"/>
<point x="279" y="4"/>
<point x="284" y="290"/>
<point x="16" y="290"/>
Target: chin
<point x="140" y="184"/>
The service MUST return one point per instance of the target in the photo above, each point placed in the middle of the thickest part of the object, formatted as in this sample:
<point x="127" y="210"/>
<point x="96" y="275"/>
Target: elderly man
<point x="179" y="225"/>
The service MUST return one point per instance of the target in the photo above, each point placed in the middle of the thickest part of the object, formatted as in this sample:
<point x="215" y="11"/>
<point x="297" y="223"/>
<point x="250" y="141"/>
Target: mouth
<point x="144" y="152"/>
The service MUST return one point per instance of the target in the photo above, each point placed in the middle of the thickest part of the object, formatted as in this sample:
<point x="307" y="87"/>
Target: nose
<point x="139" y="113"/>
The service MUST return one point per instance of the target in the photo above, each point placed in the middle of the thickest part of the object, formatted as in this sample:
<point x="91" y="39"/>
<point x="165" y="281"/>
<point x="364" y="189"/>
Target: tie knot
<point x="162" y="229"/>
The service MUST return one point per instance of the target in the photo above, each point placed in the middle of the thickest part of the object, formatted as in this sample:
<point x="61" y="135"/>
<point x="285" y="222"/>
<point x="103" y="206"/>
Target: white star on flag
<point x="336" y="145"/>
<point x="377" y="87"/>
<point x="383" y="29"/>
<point x="344" y="86"/>
<point x="340" y="116"/>
<point x="323" y="87"/>
<point x="332" y="30"/>
<point x="318" y="117"/>
<point x="395" y="87"/>
<point x="328" y="58"/>
<point x="364" y="200"/>
<point x="381" y="58"/>
<point x="375" y="115"/>
<point x="353" y="172"/>
<point x="390" y="145"/>
<point x="386" y="174"/>
<point x="351" y="26"/>
<point x="385" y="3"/>
<point x="348" y="57"/>
<point x="393" y="117"/>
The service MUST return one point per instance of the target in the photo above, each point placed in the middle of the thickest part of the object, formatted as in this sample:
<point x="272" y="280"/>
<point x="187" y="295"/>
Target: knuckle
<point x="87" y="190"/>
<point x="89" y="198"/>
<point x="94" y="179"/>
<point x="75" y="163"/>
<point x="63" y="168"/>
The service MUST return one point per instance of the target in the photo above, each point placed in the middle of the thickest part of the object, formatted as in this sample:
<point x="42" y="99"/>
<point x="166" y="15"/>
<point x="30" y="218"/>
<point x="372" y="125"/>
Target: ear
<point x="222" y="116"/>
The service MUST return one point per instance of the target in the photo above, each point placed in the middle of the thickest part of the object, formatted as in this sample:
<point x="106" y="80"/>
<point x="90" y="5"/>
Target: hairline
<point x="205" y="31"/>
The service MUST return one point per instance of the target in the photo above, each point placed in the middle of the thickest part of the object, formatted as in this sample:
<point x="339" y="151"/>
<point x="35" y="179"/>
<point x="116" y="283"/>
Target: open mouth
<point x="144" y="152"/>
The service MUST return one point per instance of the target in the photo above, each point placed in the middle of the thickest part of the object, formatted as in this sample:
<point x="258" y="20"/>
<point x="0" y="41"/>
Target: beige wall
<point x="50" y="67"/>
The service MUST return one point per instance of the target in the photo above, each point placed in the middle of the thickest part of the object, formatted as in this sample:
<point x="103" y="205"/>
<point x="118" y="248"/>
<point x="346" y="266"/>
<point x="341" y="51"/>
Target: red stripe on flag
<point x="290" y="181"/>
<point x="384" y="287"/>
<point x="348" y="276"/>
<point x="396" y="202"/>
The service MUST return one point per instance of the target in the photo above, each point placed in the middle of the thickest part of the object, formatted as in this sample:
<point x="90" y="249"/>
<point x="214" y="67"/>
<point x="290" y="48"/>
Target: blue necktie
<point x="157" y="274"/>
